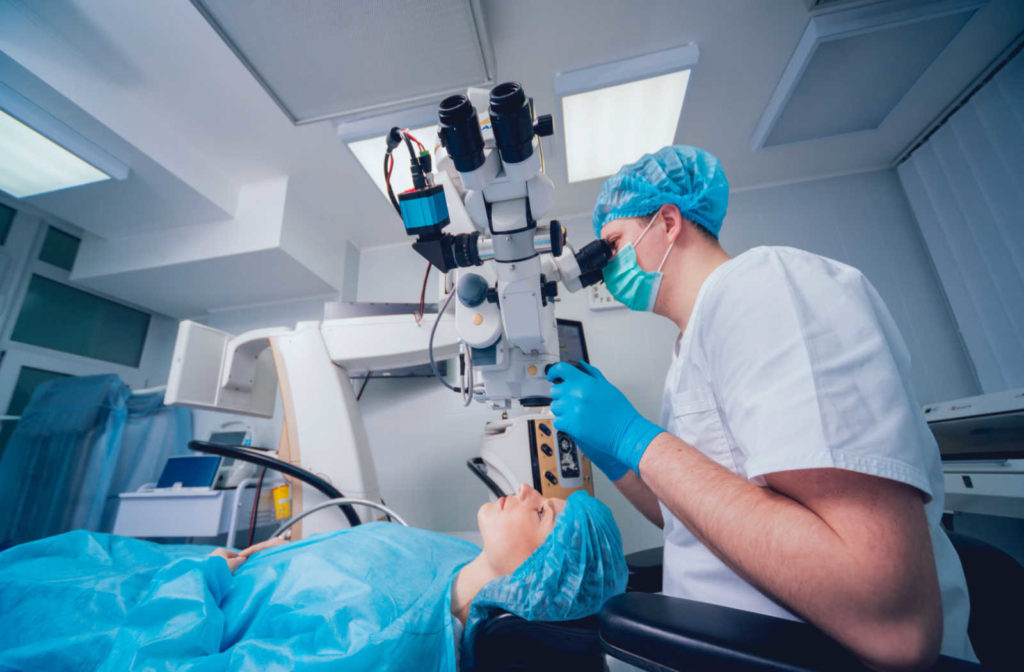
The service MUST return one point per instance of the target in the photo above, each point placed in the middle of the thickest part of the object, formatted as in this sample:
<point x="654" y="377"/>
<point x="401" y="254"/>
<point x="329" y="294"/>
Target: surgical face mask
<point x="636" y="288"/>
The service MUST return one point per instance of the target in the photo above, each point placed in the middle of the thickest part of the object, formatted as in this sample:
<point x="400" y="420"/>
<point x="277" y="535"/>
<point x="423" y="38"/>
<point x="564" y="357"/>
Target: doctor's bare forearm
<point x="851" y="553"/>
<point x="641" y="497"/>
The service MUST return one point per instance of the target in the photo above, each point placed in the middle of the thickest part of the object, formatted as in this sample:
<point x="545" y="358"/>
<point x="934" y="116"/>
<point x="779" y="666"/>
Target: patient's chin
<point x="481" y="516"/>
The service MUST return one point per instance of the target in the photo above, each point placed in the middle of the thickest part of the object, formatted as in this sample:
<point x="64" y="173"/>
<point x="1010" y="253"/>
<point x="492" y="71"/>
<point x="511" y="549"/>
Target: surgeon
<point x="791" y="469"/>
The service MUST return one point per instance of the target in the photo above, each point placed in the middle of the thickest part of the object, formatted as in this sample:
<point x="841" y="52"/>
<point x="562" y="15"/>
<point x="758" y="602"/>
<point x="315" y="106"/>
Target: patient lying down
<point x="378" y="596"/>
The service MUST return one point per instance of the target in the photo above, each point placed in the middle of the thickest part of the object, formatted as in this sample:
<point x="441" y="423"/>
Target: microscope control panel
<point x="559" y="467"/>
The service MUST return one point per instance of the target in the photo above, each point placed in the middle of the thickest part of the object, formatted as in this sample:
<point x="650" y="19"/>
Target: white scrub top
<point x="792" y="361"/>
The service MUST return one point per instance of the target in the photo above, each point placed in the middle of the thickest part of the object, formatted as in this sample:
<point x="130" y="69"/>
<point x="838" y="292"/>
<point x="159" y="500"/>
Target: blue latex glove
<point x="595" y="413"/>
<point x="611" y="467"/>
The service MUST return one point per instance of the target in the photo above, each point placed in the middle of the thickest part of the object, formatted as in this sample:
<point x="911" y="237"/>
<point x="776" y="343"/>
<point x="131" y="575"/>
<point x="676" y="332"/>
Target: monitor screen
<point x="192" y="472"/>
<point x="572" y="346"/>
<point x="233" y="438"/>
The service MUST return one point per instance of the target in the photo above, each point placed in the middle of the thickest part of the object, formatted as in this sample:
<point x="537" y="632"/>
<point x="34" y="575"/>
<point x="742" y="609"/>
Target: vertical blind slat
<point x="966" y="188"/>
<point x="953" y="283"/>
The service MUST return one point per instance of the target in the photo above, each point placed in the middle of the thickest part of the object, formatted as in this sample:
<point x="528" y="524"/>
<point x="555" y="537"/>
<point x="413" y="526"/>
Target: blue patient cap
<point x="685" y="176"/>
<point x="571" y="575"/>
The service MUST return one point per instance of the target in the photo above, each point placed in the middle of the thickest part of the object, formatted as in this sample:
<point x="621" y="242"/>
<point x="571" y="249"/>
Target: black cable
<point x="479" y="467"/>
<point x="255" y="507"/>
<point x="430" y="346"/>
<point x="363" y="386"/>
<point x="263" y="460"/>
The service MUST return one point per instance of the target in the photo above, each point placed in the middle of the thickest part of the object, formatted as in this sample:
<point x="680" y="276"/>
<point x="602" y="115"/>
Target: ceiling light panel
<point x="370" y="153"/>
<point x="31" y="163"/>
<point x="321" y="59"/>
<point x="612" y="126"/>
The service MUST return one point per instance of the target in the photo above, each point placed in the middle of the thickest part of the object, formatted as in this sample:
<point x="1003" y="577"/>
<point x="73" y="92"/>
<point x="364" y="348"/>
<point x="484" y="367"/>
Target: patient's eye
<point x="540" y="513"/>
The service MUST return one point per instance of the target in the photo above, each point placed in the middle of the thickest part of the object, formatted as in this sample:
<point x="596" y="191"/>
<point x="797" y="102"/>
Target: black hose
<point x="255" y="507"/>
<point x="479" y="467"/>
<point x="246" y="455"/>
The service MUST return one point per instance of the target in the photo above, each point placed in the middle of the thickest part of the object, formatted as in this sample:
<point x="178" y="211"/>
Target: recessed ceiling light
<point x="616" y="112"/>
<point x="370" y="153"/>
<point x="613" y="126"/>
<point x="31" y="163"/>
<point x="40" y="153"/>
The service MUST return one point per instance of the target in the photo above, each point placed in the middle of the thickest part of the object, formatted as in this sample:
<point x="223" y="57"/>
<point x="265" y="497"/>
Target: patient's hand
<point x="235" y="559"/>
<point x="232" y="557"/>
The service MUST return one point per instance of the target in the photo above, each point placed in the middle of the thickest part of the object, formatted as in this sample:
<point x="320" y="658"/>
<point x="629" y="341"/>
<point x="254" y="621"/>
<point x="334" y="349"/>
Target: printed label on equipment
<point x="282" y="502"/>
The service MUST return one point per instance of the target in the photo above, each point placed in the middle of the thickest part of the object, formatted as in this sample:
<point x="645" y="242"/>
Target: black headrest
<point x="995" y="583"/>
<point x="509" y="643"/>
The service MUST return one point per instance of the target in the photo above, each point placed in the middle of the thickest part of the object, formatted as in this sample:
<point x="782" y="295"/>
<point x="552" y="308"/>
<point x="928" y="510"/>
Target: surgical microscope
<point x="505" y="278"/>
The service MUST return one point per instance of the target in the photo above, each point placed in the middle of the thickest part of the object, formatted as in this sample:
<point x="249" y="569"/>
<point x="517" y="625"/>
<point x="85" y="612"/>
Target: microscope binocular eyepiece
<point x="511" y="120"/>
<point x="592" y="259"/>
<point x="460" y="133"/>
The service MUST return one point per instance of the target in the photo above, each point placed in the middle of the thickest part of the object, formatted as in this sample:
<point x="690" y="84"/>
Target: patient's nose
<point x="526" y="492"/>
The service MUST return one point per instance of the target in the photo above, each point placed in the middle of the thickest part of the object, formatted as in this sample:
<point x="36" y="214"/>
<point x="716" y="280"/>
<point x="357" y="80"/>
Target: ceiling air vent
<point x="852" y="67"/>
<point x="323" y="59"/>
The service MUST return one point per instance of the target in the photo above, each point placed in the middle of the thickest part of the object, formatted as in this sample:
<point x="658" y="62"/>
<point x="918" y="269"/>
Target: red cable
<point x="413" y="138"/>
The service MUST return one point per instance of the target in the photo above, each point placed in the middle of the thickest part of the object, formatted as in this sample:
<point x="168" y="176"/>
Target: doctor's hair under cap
<point x="571" y="575"/>
<point x="687" y="177"/>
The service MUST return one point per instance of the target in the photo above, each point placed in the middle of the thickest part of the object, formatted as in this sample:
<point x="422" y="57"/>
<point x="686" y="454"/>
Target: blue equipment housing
<point x="424" y="211"/>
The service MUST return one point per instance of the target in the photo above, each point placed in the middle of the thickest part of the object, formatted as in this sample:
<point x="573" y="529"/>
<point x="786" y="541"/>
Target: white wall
<point x="864" y="220"/>
<point x="966" y="186"/>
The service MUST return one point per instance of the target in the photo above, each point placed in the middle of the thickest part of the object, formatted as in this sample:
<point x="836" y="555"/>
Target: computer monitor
<point x="572" y="346"/>
<point x="194" y="471"/>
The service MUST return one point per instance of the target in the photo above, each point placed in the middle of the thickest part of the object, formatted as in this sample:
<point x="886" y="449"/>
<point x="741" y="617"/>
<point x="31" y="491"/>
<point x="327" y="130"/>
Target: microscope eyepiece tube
<point x="546" y="240"/>
<point x="592" y="259"/>
<point x="460" y="133"/>
<point x="550" y="239"/>
<point x="485" y="249"/>
<point x="512" y="122"/>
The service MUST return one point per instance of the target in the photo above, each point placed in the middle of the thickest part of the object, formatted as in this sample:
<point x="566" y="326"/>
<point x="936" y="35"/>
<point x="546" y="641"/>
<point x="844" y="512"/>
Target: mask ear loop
<point x="667" y="252"/>
<point x="644" y="233"/>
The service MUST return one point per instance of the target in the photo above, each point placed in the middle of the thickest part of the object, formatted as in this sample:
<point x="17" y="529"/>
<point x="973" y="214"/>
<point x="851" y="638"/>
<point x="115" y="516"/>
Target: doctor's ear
<point x="674" y="221"/>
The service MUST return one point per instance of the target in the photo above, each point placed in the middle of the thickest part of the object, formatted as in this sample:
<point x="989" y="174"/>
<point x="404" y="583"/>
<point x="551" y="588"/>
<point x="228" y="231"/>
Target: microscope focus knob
<point x="472" y="290"/>
<point x="544" y="126"/>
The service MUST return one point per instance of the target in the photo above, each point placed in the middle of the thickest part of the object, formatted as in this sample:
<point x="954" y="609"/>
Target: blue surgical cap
<point x="571" y="575"/>
<point x="687" y="177"/>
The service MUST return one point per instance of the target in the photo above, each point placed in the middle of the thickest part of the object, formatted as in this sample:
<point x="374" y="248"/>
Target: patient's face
<point x="513" y="527"/>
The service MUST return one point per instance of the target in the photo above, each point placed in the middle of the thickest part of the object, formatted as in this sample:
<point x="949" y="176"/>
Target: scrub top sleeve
<point x="802" y="355"/>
